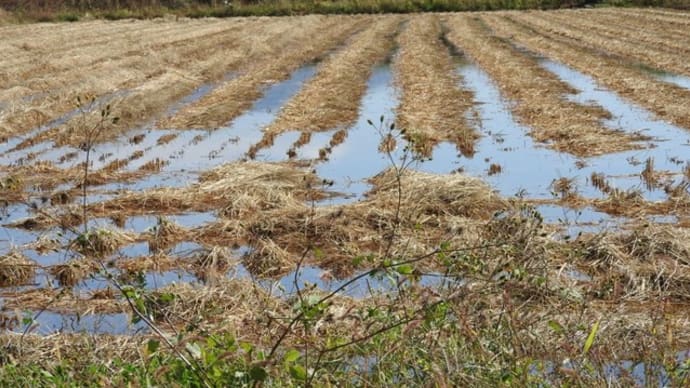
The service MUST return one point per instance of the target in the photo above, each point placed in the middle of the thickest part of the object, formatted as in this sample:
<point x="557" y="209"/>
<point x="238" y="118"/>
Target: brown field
<point x="245" y="149"/>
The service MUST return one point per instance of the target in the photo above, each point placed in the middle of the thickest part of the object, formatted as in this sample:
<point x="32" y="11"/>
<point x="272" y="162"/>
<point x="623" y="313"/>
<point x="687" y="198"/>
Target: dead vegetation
<point x="433" y="103"/>
<point x="312" y="39"/>
<point x="539" y="96"/>
<point x="16" y="270"/>
<point x="667" y="101"/>
<point x="72" y="272"/>
<point x="99" y="243"/>
<point x="331" y="100"/>
<point x="513" y="269"/>
<point x="670" y="60"/>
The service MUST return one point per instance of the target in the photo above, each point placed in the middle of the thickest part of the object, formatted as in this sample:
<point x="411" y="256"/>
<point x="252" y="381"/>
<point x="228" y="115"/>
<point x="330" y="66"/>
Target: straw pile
<point x="650" y="262"/>
<point x="72" y="272"/>
<point x="433" y="105"/>
<point x="539" y="95"/>
<point x="16" y="269"/>
<point x="164" y="234"/>
<point x="249" y="187"/>
<point x="432" y="194"/>
<point x="100" y="243"/>
<point x="61" y="301"/>
<point x="279" y="227"/>
<point x="211" y="265"/>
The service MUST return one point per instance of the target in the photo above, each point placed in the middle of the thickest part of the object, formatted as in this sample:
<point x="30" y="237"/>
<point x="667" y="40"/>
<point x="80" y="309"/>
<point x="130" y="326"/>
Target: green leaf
<point x="166" y="297"/>
<point x="292" y="355"/>
<point x="247" y="347"/>
<point x="298" y="372"/>
<point x="152" y="346"/>
<point x="405" y="269"/>
<point x="258" y="373"/>
<point x="590" y="338"/>
<point x="556" y="327"/>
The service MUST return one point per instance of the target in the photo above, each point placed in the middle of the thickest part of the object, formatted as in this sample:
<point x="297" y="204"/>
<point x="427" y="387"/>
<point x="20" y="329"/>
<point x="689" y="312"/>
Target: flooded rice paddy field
<point x="279" y="150"/>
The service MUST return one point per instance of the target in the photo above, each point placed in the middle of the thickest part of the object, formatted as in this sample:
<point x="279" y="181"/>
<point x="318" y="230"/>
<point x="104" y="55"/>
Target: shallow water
<point x="231" y="142"/>
<point x="358" y="157"/>
<point x="670" y="144"/>
<point x="46" y="150"/>
<point x="309" y="276"/>
<point x="676" y="79"/>
<point x="48" y="322"/>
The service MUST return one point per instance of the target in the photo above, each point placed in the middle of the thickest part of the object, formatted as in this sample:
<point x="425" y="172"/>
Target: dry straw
<point x="433" y="104"/>
<point x="100" y="243"/>
<point x="276" y="58"/>
<point x="653" y="55"/>
<point x="539" y="95"/>
<point x="72" y="272"/>
<point x="16" y="270"/>
<point x="332" y="98"/>
<point x="668" y="101"/>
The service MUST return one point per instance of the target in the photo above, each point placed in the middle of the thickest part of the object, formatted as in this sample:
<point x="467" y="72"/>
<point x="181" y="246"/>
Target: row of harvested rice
<point x="622" y="28"/>
<point x="212" y="59"/>
<point x="124" y="75"/>
<point x="651" y="55"/>
<point x="309" y="39"/>
<point x="675" y="20"/>
<point x="539" y="96"/>
<point x="79" y="50"/>
<point x="667" y="101"/>
<point x="49" y="74"/>
<point x="331" y="99"/>
<point x="643" y="22"/>
<point x="433" y="104"/>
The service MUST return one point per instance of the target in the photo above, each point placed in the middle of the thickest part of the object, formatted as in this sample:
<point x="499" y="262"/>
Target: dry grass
<point x="433" y="105"/>
<point x="167" y="138"/>
<point x="667" y="101"/>
<point x="212" y="264"/>
<point x="539" y="96"/>
<point x="633" y="50"/>
<point x="331" y="99"/>
<point x="57" y="300"/>
<point x="164" y="234"/>
<point x="599" y="182"/>
<point x="16" y="270"/>
<point x="280" y="229"/>
<point x="312" y="36"/>
<point x="99" y="243"/>
<point x="130" y="65"/>
<point x="86" y="348"/>
<point x="72" y="272"/>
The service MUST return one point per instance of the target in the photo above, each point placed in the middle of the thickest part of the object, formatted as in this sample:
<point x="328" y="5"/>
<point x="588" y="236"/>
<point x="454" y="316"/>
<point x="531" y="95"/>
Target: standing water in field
<point x="230" y="143"/>
<point x="358" y="157"/>
<point x="668" y="151"/>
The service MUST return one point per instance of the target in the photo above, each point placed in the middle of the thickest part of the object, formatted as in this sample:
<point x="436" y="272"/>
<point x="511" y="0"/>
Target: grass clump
<point x="72" y="272"/>
<point x="100" y="243"/>
<point x="16" y="270"/>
